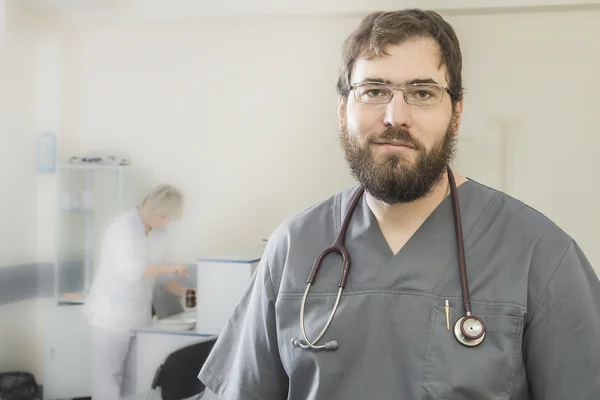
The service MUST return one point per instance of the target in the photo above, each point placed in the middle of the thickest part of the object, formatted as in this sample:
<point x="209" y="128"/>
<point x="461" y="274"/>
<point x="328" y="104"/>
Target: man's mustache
<point x="396" y="134"/>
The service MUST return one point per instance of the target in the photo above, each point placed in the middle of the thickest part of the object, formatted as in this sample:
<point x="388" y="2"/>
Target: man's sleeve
<point x="562" y="342"/>
<point x="245" y="363"/>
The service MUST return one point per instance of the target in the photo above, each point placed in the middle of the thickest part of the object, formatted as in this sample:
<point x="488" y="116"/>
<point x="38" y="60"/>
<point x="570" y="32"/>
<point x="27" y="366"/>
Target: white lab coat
<point x="120" y="299"/>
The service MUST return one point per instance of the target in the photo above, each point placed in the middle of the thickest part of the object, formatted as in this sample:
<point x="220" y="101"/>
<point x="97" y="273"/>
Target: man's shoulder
<point x="306" y="231"/>
<point x="510" y="219"/>
<point x="516" y="210"/>
<point x="326" y="211"/>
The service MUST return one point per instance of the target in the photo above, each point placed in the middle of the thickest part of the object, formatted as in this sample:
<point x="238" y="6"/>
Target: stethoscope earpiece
<point x="331" y="345"/>
<point x="297" y="342"/>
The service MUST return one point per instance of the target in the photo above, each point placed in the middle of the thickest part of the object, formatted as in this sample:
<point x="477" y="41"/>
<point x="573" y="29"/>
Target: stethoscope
<point x="469" y="330"/>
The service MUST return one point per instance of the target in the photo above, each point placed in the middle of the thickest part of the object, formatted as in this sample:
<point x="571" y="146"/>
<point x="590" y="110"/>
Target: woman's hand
<point x="179" y="270"/>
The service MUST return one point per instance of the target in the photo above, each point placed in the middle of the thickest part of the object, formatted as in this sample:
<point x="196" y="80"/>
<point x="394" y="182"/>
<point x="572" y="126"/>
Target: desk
<point x="150" y="348"/>
<point x="222" y="279"/>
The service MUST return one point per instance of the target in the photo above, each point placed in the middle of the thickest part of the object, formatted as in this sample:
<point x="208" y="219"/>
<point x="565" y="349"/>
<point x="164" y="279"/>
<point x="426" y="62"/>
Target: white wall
<point x="242" y="113"/>
<point x="21" y="338"/>
<point x="19" y="342"/>
<point x="17" y="139"/>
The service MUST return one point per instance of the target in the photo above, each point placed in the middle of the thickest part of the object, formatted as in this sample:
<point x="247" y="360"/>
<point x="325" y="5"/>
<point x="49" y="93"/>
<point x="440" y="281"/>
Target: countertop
<point x="245" y="255"/>
<point x="154" y="328"/>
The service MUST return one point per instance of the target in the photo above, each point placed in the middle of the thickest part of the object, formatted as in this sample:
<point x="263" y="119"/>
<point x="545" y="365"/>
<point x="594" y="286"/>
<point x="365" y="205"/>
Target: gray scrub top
<point x="529" y="282"/>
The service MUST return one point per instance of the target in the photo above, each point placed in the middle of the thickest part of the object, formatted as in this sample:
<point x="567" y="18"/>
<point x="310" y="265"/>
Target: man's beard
<point x="395" y="179"/>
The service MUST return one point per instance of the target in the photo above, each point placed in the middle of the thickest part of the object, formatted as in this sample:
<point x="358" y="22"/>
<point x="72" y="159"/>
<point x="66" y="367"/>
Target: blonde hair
<point x="164" y="200"/>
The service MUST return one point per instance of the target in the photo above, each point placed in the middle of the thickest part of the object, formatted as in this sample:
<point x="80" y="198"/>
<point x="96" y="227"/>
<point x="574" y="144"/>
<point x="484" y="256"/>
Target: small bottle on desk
<point x="190" y="298"/>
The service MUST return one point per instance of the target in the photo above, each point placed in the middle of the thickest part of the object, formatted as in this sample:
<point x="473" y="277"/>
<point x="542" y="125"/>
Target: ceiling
<point x="169" y="9"/>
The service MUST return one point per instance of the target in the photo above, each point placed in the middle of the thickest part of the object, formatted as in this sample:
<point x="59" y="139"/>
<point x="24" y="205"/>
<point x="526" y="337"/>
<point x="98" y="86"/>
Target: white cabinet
<point x="89" y="198"/>
<point x="67" y="352"/>
<point x="221" y="281"/>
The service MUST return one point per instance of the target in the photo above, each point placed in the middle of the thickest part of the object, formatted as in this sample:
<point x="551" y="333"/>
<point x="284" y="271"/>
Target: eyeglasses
<point x="417" y="94"/>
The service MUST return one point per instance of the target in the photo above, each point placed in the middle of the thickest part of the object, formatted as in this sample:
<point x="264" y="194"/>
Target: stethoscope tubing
<point x="463" y="335"/>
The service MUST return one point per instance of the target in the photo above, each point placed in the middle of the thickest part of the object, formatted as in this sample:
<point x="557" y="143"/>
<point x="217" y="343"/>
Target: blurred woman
<point x="120" y="299"/>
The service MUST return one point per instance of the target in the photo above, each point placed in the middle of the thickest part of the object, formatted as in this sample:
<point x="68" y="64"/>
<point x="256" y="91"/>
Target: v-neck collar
<point x="432" y="218"/>
<point x="426" y="253"/>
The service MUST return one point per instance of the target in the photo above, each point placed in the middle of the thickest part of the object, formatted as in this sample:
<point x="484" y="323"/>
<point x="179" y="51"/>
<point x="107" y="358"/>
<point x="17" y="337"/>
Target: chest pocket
<point x="455" y="372"/>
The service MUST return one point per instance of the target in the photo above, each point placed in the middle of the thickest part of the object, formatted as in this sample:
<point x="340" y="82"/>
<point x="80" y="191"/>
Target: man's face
<point x="397" y="151"/>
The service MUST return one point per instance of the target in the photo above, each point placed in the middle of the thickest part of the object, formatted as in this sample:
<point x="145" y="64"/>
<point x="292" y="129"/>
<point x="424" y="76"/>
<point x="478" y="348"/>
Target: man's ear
<point x="458" y="110"/>
<point x="342" y="101"/>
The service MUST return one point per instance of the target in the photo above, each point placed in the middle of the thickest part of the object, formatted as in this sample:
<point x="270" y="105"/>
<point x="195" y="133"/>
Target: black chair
<point x="177" y="377"/>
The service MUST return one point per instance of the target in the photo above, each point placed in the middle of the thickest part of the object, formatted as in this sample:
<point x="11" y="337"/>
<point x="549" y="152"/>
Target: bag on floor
<point x="19" y="386"/>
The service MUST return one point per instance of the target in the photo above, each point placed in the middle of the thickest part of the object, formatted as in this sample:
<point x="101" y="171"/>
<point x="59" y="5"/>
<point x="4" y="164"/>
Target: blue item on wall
<point x="46" y="153"/>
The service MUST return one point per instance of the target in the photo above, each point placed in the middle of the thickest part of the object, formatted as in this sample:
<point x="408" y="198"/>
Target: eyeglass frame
<point x="394" y="88"/>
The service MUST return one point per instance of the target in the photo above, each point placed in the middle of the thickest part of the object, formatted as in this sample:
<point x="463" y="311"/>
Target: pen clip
<point x="447" y="308"/>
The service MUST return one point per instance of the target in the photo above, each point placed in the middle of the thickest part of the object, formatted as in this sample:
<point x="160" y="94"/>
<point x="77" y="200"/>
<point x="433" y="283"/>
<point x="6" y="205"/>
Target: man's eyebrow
<point x="378" y="80"/>
<point x="421" y="80"/>
<point x="408" y="82"/>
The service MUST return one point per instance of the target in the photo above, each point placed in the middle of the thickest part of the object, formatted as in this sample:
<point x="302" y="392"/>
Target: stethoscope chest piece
<point x="469" y="331"/>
